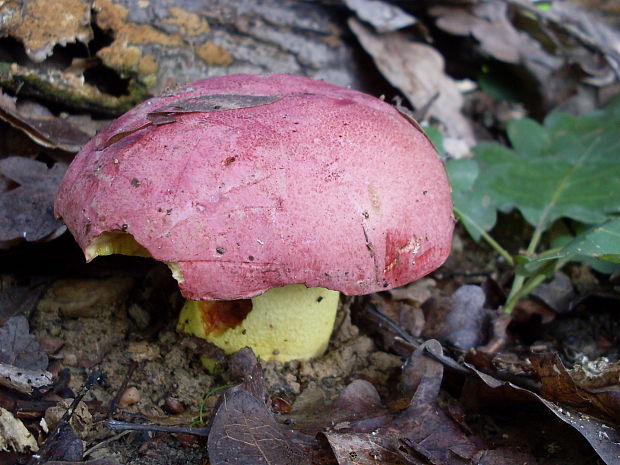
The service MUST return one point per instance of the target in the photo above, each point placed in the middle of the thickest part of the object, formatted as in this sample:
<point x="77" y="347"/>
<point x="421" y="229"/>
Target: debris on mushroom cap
<point x="244" y="183"/>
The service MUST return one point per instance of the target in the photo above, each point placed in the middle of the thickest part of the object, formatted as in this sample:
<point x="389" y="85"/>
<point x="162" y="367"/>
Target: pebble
<point x="173" y="405"/>
<point x="141" y="351"/>
<point x="129" y="397"/>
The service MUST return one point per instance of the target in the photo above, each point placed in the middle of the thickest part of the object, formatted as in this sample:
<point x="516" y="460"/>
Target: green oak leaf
<point x="602" y="241"/>
<point x="473" y="206"/>
<point x="598" y="245"/>
<point x="567" y="167"/>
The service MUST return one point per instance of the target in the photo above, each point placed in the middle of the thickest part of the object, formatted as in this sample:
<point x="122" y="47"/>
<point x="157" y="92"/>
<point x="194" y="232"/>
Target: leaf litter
<point x="419" y="73"/>
<point x="20" y="348"/>
<point x="41" y="125"/>
<point x="28" y="209"/>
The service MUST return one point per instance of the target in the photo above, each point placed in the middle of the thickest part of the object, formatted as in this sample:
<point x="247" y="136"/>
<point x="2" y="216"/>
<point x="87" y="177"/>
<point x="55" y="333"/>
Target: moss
<point x="70" y="89"/>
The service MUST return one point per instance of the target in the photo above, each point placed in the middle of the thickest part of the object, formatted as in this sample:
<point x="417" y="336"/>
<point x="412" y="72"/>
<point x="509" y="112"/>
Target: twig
<point x="409" y="340"/>
<point x="41" y="457"/>
<point x="121" y="390"/>
<point x="116" y="437"/>
<point x="126" y="426"/>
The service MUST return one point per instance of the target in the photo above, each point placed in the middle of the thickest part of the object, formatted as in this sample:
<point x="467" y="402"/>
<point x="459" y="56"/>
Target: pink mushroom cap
<point x="306" y="182"/>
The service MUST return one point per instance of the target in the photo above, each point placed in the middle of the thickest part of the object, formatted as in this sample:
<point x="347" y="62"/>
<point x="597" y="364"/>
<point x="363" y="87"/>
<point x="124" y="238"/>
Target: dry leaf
<point x="22" y="379"/>
<point x="559" y="386"/>
<point x="28" y="211"/>
<point x="418" y="291"/>
<point x="604" y="437"/>
<point x="417" y="70"/>
<point x="20" y="348"/>
<point x="244" y="432"/>
<point x="19" y="300"/>
<point x="558" y="294"/>
<point x="40" y="125"/>
<point x="14" y="435"/>
<point x="383" y="16"/>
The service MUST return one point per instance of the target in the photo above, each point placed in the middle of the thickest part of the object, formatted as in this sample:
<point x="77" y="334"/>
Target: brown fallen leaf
<point x="426" y="428"/>
<point x="14" y="435"/>
<point x="244" y="432"/>
<point x="362" y="448"/>
<point x="245" y="368"/>
<point x="595" y="42"/>
<point x="67" y="446"/>
<point x="19" y="300"/>
<point x="421" y="434"/>
<point x="418" y="291"/>
<point x="41" y="125"/>
<point x="28" y="212"/>
<point x="559" y="386"/>
<point x="23" y="379"/>
<point x="358" y="402"/>
<point x="384" y="16"/>
<point x="359" y="399"/>
<point x="88" y="462"/>
<point x="545" y="43"/>
<point x="467" y="320"/>
<point x="603" y="436"/>
<point x="503" y="457"/>
<point x="20" y="348"/>
<point x="417" y="70"/>
<point x="63" y="444"/>
<point x="488" y="23"/>
<point x="558" y="294"/>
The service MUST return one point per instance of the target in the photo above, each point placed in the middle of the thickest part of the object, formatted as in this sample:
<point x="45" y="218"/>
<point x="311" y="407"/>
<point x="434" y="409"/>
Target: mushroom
<point x="267" y="196"/>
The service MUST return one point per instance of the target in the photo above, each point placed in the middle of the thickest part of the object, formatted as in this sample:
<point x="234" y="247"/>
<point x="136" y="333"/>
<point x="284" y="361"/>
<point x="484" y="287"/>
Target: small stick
<point x="41" y="457"/>
<point x="124" y="426"/>
<point x="406" y="338"/>
<point x="121" y="390"/>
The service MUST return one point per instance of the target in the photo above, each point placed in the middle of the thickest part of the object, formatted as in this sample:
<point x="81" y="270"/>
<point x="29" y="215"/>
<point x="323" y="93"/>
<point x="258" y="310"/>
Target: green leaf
<point x="436" y="137"/>
<point x="601" y="242"/>
<point x="462" y="173"/>
<point x="474" y="207"/>
<point x="599" y="246"/>
<point x="528" y="136"/>
<point x="527" y="266"/>
<point x="568" y="167"/>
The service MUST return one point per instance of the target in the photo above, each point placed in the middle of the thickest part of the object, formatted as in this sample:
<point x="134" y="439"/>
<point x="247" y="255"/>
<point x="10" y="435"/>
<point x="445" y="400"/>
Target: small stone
<point x="173" y="405"/>
<point x="55" y="331"/>
<point x="140" y="351"/>
<point x="129" y="397"/>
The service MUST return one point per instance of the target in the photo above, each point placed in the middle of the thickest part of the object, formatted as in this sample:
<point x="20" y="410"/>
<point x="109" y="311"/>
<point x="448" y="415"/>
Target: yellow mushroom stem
<point x="293" y="322"/>
<point x="285" y="323"/>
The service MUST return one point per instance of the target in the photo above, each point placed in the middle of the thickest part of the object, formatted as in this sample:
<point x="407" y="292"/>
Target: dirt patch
<point x="101" y="327"/>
